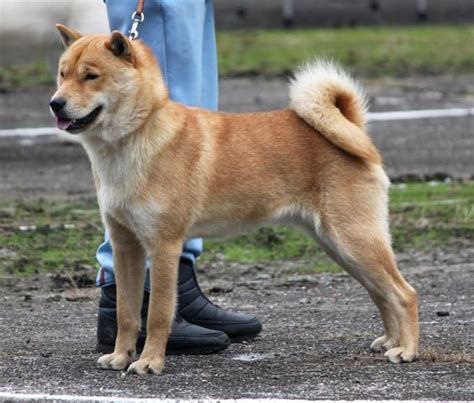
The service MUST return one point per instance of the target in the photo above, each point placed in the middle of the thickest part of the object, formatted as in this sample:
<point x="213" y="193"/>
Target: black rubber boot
<point x="185" y="338"/>
<point x="195" y="308"/>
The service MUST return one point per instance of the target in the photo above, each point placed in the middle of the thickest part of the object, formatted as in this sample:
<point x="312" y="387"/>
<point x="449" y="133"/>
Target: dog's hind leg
<point x="129" y="268"/>
<point x="361" y="245"/>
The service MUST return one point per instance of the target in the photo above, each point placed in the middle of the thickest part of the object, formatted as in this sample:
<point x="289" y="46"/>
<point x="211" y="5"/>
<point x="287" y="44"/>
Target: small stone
<point x="442" y="313"/>
<point x="54" y="298"/>
<point x="221" y="288"/>
<point x="6" y="253"/>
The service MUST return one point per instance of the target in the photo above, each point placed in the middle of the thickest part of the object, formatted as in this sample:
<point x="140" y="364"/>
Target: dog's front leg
<point x="129" y="265"/>
<point x="161" y="309"/>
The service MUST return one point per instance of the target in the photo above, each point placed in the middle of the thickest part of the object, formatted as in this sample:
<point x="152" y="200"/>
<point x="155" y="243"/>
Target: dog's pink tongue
<point x="63" y="124"/>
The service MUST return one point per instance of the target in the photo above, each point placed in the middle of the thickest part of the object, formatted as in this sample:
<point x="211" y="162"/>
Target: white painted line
<point x="106" y="399"/>
<point x="38" y="132"/>
<point x="114" y="399"/>
<point x="371" y="117"/>
<point x="420" y="114"/>
<point x="29" y="132"/>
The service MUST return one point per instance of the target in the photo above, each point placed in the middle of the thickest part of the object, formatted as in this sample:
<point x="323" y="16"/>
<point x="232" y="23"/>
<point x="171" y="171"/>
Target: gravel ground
<point x="317" y="330"/>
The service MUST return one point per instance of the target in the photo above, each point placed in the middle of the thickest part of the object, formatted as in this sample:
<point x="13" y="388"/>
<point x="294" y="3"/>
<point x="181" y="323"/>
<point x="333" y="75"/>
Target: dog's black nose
<point x="57" y="104"/>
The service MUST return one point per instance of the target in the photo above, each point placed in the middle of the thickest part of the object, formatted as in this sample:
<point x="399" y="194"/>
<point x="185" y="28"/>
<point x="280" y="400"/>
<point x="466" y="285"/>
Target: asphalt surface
<point x="317" y="330"/>
<point x="339" y="13"/>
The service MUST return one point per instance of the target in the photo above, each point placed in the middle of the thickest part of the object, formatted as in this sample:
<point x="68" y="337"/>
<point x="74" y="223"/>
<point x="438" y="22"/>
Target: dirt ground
<point x="317" y="328"/>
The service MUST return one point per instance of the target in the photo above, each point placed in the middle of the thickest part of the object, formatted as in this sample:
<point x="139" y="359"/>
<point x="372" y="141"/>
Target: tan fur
<point x="166" y="172"/>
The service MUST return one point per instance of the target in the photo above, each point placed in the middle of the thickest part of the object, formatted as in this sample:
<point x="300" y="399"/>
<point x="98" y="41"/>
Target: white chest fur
<point x="121" y="172"/>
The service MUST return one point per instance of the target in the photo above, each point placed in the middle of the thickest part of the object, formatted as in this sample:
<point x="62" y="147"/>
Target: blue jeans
<point x="182" y="37"/>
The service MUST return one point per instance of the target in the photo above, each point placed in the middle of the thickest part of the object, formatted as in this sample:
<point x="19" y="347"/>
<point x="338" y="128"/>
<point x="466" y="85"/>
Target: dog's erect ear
<point x="120" y="46"/>
<point x="68" y="36"/>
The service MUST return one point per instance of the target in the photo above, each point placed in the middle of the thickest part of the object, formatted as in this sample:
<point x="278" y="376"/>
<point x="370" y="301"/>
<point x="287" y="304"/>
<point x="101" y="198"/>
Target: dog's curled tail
<point x="329" y="100"/>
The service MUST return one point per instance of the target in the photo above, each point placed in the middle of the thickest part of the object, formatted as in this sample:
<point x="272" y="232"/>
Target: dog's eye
<point x="91" y="76"/>
<point x="61" y="74"/>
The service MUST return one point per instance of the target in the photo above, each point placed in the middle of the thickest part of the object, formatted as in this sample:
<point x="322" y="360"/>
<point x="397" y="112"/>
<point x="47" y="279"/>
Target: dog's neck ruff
<point x="122" y="164"/>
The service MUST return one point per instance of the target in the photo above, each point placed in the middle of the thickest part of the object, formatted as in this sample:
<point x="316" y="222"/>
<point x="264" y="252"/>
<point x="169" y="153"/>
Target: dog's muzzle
<point x="64" y="122"/>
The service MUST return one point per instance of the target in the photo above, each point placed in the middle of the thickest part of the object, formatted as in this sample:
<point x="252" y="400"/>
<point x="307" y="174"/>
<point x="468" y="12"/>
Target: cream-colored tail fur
<point x="328" y="99"/>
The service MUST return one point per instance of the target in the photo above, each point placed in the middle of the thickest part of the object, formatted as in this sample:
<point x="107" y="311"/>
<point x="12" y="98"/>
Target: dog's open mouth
<point x="77" y="125"/>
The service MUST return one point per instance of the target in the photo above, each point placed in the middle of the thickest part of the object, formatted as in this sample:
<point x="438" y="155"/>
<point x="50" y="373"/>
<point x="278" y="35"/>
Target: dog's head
<point x="105" y="82"/>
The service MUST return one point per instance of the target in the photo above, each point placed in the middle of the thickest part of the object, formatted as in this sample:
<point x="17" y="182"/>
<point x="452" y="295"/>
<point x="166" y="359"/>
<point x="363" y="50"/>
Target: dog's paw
<point x="145" y="365"/>
<point x="383" y="343"/>
<point x="399" y="355"/>
<point x="115" y="361"/>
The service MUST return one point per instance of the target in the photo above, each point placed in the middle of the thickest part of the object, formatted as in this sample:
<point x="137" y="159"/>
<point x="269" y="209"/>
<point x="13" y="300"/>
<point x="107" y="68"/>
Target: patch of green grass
<point x="66" y="234"/>
<point x="266" y="244"/>
<point x="367" y="51"/>
<point x="48" y="236"/>
<point x="431" y="193"/>
<point x="436" y="213"/>
<point x="24" y="75"/>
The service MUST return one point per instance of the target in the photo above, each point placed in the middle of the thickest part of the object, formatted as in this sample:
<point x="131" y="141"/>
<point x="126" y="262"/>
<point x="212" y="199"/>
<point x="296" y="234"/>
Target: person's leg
<point x="156" y="32"/>
<point x="105" y="276"/>
<point x="181" y="35"/>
